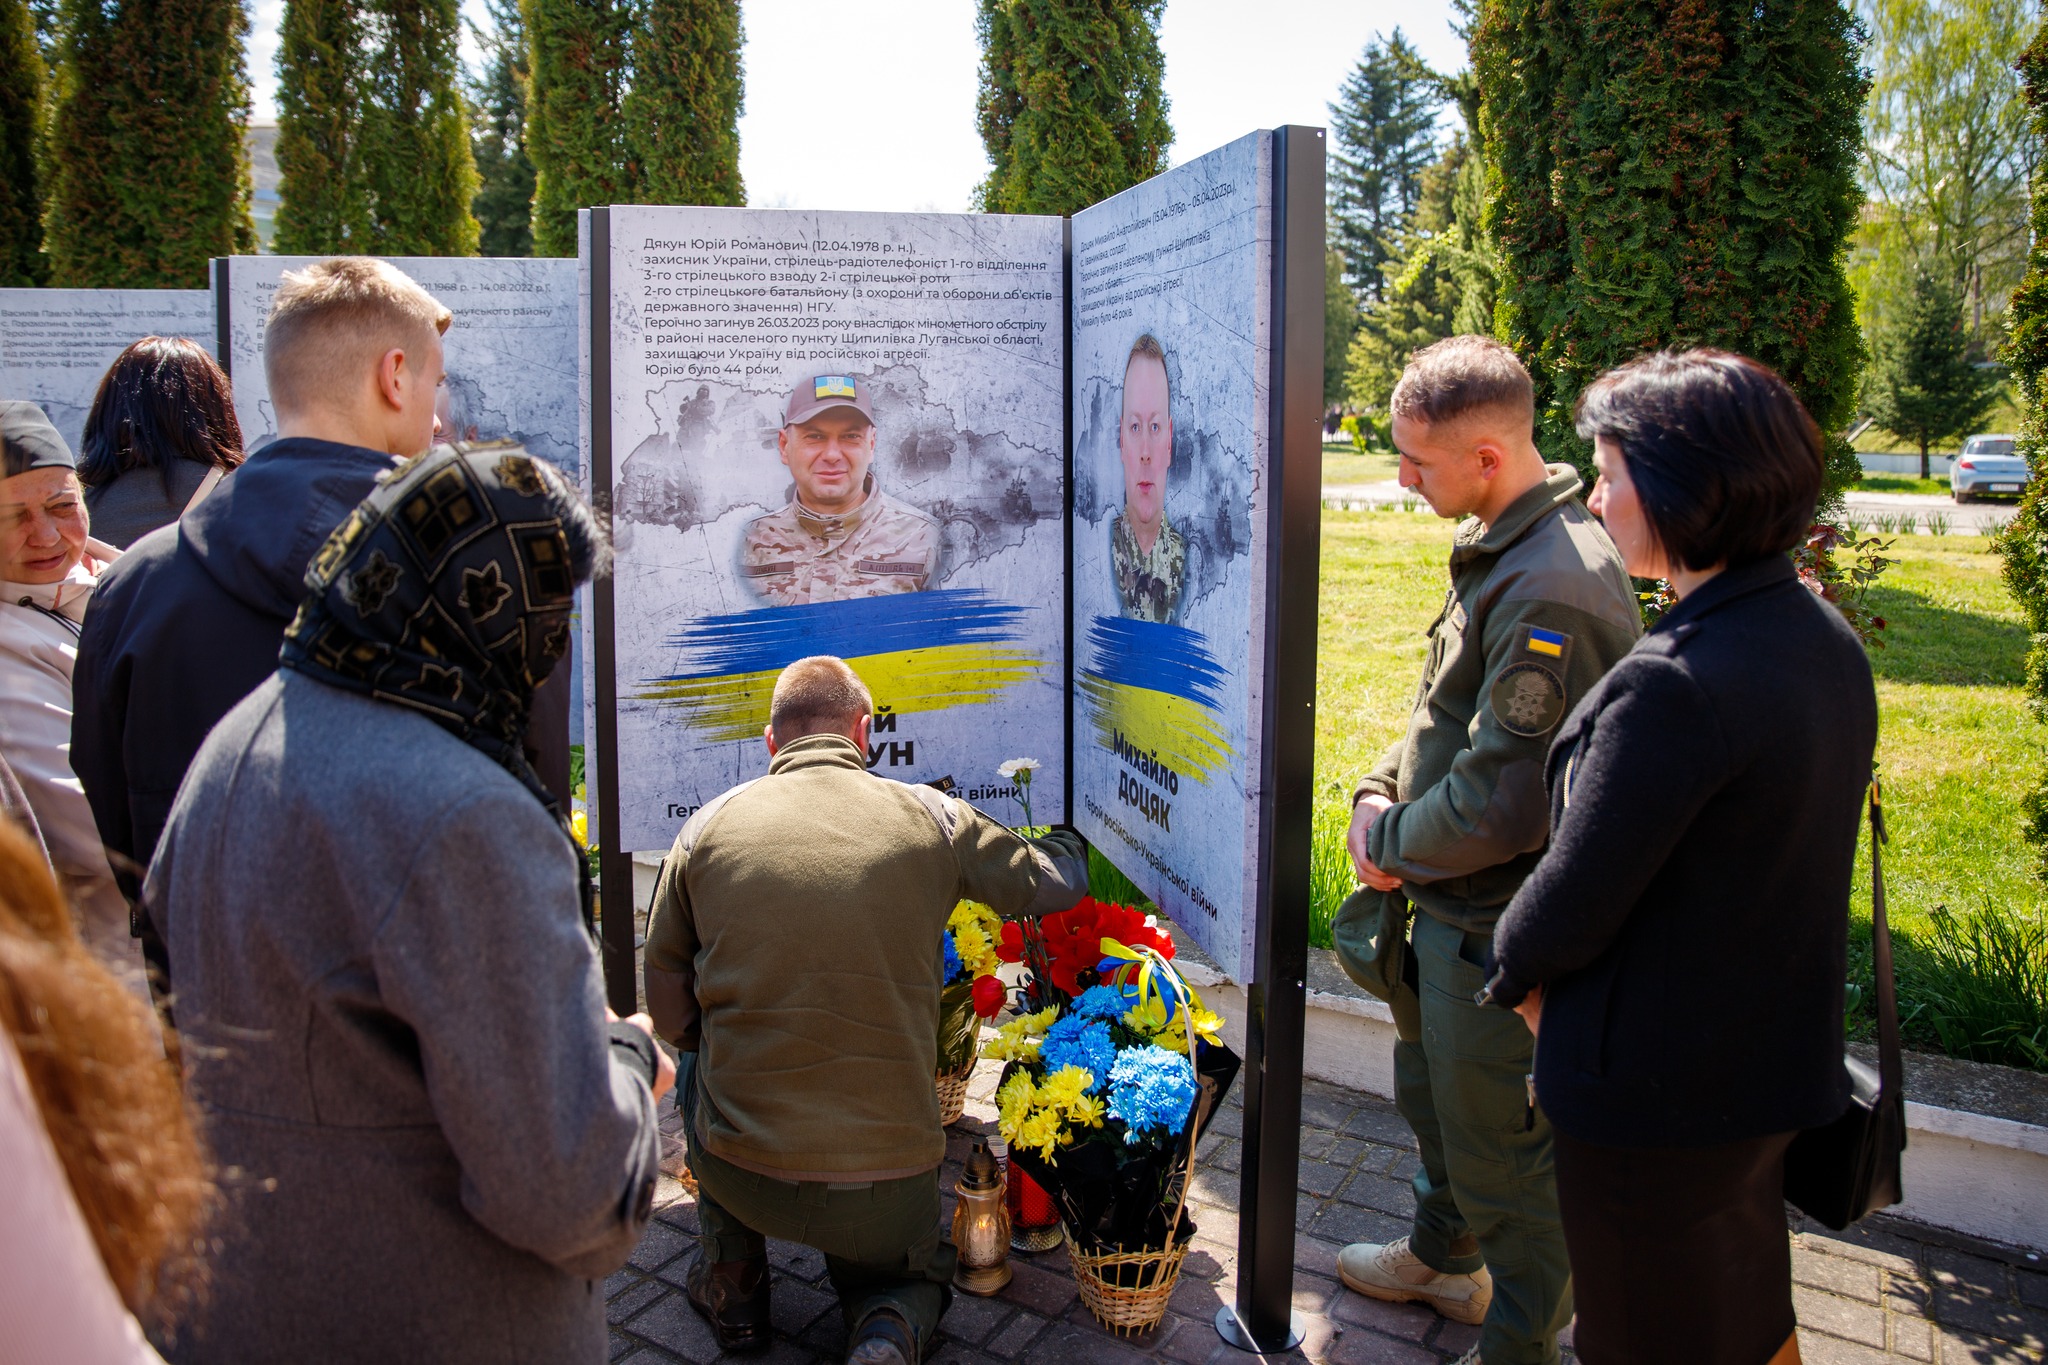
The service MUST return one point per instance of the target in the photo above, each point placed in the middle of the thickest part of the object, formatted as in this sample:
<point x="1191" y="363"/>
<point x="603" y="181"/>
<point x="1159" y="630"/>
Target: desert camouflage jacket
<point x="882" y="546"/>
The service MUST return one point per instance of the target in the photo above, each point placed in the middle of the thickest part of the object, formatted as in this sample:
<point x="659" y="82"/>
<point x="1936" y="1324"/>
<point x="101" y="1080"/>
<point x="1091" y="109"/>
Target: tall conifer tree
<point x="21" y="118"/>
<point x="575" y="130"/>
<point x="1073" y="108"/>
<point x="149" y="169"/>
<point x="323" y="203"/>
<point x="416" y="161"/>
<point x="1383" y="135"/>
<point x="683" y="111"/>
<point x="1669" y="175"/>
<point x="504" y="197"/>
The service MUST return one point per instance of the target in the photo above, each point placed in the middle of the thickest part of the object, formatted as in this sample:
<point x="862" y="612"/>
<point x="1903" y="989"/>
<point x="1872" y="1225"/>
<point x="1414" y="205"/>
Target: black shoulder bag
<point x="1850" y="1168"/>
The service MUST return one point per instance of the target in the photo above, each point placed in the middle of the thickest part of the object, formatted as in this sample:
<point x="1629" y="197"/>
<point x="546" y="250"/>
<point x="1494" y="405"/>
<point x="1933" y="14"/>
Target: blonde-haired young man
<point x="191" y="618"/>
<point x="1452" y="820"/>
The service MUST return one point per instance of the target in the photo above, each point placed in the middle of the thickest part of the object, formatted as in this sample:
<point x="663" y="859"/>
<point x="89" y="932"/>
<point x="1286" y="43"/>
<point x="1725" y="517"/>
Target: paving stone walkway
<point x="1885" y="1292"/>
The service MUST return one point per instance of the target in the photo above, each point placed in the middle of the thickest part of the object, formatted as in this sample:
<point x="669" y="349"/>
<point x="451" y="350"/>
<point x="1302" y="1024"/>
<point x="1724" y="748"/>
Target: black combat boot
<point x="733" y="1297"/>
<point x="883" y="1338"/>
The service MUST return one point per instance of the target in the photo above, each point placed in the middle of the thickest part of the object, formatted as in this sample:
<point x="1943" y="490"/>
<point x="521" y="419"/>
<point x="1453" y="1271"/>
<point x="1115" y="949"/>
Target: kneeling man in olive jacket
<point x="793" y="957"/>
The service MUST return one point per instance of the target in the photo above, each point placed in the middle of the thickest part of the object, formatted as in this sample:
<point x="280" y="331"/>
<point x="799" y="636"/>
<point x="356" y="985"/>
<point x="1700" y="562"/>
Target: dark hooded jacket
<point x="189" y="621"/>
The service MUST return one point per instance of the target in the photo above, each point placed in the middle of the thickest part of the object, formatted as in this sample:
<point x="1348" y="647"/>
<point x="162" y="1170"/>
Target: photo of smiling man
<point x="840" y="536"/>
<point x="1148" y="557"/>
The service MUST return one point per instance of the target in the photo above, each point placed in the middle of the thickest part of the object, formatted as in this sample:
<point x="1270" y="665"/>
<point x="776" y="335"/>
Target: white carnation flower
<point x="1019" y="769"/>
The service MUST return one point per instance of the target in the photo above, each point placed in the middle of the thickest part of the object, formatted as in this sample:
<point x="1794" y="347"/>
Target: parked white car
<point x="1987" y="466"/>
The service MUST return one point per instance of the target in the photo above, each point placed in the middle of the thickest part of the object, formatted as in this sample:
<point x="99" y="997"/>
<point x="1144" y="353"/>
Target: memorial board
<point x="56" y="344"/>
<point x="944" y="585"/>
<point x="1171" y="367"/>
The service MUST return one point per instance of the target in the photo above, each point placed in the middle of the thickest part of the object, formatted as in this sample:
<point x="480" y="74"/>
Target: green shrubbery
<point x="1972" y="986"/>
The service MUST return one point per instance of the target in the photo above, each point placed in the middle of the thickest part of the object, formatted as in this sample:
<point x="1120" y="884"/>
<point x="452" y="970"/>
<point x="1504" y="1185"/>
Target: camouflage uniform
<point x="882" y="546"/>
<point x="1148" y="586"/>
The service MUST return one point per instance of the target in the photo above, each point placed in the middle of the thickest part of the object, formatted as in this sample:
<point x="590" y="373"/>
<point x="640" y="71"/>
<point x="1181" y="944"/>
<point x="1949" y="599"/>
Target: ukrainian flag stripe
<point x="1154" y="655"/>
<point x="1155" y="688"/>
<point x="1546" y="641"/>
<point x="925" y="651"/>
<point x="832" y="386"/>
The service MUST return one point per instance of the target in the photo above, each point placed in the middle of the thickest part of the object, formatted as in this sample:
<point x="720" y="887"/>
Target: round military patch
<point x="1528" y="699"/>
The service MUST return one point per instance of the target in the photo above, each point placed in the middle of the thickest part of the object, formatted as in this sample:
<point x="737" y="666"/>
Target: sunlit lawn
<point x="1956" y="745"/>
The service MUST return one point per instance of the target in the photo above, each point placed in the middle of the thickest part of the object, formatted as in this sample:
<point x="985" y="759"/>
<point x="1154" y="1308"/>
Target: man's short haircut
<point x="1462" y="375"/>
<point x="818" y="696"/>
<point x="334" y="319"/>
<point x="1724" y="457"/>
<point x="1148" y="345"/>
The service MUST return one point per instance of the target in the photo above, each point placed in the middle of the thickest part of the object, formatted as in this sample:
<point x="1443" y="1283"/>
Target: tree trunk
<point x="1925" y="471"/>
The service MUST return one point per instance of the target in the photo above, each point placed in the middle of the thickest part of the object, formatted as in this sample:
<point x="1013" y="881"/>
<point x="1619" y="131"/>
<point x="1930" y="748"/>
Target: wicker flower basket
<point x="952" y="1088"/>
<point x="1127" y="1290"/>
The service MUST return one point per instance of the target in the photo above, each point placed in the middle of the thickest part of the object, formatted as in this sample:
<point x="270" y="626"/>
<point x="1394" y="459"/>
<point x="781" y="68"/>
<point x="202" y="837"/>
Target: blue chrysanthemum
<point x="1078" y="1041"/>
<point x="955" y="968"/>
<point x="1151" y="1089"/>
<point x="1102" y="1002"/>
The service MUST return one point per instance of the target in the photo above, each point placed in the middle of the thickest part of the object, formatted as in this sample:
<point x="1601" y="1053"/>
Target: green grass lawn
<point x="1957" y="747"/>
<point x="1901" y="483"/>
<point x="1342" y="464"/>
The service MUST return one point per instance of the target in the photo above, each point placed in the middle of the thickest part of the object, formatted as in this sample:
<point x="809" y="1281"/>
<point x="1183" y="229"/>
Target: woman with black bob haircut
<point x="1679" y="950"/>
<point x="161" y="433"/>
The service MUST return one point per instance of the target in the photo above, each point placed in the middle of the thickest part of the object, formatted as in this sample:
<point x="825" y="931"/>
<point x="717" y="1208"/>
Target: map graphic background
<point x="1185" y="256"/>
<point x="971" y="434"/>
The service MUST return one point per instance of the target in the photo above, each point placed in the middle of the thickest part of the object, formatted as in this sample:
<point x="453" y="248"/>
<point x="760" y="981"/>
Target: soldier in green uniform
<point x="793" y="957"/>
<point x="1148" y="557"/>
<point x="840" y="536"/>
<point x="1453" y="819"/>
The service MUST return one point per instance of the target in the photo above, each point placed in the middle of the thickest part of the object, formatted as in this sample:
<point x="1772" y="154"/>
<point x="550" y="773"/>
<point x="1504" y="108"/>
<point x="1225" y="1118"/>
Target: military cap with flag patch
<point x="818" y="393"/>
<point x="30" y="441"/>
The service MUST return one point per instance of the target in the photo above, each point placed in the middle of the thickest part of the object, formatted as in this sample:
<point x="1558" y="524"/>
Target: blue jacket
<point x="189" y="621"/>
<point x="1688" y="921"/>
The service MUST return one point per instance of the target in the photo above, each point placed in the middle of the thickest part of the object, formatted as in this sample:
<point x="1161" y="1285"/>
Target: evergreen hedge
<point x="576" y="132"/>
<point x="682" y="114"/>
<point x="323" y="199"/>
<point x="1673" y="173"/>
<point x="149" y="172"/>
<point x="504" y="196"/>
<point x="417" y="168"/>
<point x="2024" y="543"/>
<point x="1072" y="106"/>
<point x="21" y="116"/>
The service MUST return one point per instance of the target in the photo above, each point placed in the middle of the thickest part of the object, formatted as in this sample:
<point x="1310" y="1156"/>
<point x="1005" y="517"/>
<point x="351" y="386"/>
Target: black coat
<point x="1688" y="921"/>
<point x="189" y="621"/>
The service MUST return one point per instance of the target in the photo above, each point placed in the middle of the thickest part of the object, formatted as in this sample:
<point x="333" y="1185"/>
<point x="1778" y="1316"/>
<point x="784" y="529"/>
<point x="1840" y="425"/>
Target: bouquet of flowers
<point x="971" y="990"/>
<point x="1111" y="1076"/>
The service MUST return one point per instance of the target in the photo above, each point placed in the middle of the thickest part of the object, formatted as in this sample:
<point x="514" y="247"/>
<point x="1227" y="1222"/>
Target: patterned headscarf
<point x="448" y="591"/>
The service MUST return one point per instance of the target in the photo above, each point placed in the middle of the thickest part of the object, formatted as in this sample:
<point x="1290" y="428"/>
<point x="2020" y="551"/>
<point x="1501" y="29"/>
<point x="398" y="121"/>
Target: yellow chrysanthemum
<point x="1010" y="1045"/>
<point x="1040" y="1132"/>
<point x="1087" y="1111"/>
<point x="1063" y="1087"/>
<point x="1013" y="1102"/>
<point x="579" y="825"/>
<point x="1035" y="1025"/>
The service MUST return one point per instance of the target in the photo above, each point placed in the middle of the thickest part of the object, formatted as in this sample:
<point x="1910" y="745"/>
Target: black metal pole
<point x="1067" y="490"/>
<point x="1263" y="1318"/>
<point x="614" y="863"/>
<point x="221" y="335"/>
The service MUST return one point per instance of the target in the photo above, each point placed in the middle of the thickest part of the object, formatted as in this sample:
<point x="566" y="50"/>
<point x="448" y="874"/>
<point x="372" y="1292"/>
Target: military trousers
<point x="880" y="1238"/>
<point x="1486" y="1193"/>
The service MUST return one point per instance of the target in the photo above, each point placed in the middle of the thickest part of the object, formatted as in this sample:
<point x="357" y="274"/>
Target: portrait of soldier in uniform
<point x="1148" y="557"/>
<point x="840" y="536"/>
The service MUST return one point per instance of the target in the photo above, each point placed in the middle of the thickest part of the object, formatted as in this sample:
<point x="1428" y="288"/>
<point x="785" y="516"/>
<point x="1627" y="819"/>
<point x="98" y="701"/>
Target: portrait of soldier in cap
<point x="1148" y="557"/>
<point x="840" y="536"/>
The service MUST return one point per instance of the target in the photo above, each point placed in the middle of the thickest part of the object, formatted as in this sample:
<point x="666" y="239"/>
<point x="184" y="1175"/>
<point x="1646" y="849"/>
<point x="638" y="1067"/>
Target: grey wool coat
<point x="393" y="1023"/>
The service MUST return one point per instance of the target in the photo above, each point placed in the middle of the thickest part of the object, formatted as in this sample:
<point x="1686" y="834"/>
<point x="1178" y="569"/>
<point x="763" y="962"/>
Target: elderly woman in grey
<point x="49" y="565"/>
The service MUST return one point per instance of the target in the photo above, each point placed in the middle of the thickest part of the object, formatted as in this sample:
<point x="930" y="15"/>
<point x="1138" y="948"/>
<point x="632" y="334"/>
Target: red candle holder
<point x="1034" y="1218"/>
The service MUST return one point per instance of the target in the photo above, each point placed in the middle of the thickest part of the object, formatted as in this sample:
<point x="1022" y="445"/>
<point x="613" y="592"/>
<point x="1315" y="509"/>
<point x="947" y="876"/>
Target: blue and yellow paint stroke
<point x="916" y="651"/>
<point x="1158" y="688"/>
